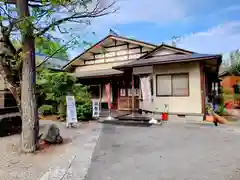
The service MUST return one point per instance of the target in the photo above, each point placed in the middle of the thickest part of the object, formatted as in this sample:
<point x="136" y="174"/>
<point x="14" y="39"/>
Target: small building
<point x="229" y="82"/>
<point x="180" y="79"/>
<point x="7" y="101"/>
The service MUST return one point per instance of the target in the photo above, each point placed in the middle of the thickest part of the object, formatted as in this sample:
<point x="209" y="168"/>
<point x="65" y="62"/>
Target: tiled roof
<point x="166" y="59"/>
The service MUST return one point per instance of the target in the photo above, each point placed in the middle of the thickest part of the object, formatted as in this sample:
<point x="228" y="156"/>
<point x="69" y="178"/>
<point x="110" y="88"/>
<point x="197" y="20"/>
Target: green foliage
<point x="221" y="110"/>
<point x="234" y="63"/>
<point x="83" y="101"/>
<point x="49" y="47"/>
<point x="55" y="86"/>
<point x="46" y="109"/>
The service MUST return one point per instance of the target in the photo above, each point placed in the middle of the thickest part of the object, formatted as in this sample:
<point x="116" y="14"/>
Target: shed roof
<point x="97" y="73"/>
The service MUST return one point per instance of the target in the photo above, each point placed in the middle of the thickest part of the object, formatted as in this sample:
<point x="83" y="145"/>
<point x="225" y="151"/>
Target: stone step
<point x="134" y="117"/>
<point x="127" y="123"/>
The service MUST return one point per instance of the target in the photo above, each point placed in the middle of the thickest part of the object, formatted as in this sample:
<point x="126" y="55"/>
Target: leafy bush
<point x="46" y="109"/>
<point x="84" y="111"/>
<point x="55" y="86"/>
<point x="221" y="110"/>
<point x="83" y="102"/>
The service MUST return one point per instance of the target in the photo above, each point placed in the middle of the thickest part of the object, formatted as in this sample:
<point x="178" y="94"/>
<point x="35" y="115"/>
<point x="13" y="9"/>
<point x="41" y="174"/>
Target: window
<point x="180" y="85"/>
<point x="164" y="87"/>
<point x="172" y="85"/>
<point x="122" y="92"/>
<point x="95" y="91"/>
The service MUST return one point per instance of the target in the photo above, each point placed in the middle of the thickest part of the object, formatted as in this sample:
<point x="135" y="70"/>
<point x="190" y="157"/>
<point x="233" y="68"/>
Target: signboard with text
<point x="96" y="108"/>
<point x="71" y="110"/>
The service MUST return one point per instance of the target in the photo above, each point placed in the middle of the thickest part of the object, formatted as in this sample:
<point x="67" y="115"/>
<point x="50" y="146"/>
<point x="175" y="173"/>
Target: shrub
<point x="84" y="110"/>
<point x="55" y="86"/>
<point x="83" y="101"/>
<point x="46" y="109"/>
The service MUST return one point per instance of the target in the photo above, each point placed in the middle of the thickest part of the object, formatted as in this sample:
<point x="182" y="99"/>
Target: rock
<point x="59" y="139"/>
<point x="51" y="134"/>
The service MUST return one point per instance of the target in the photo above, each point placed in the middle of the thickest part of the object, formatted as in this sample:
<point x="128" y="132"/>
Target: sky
<point x="205" y="26"/>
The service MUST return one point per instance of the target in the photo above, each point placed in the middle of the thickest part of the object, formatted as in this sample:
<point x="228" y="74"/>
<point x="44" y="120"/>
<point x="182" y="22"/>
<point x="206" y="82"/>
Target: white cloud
<point x="153" y="11"/>
<point x="150" y="11"/>
<point x="220" y="39"/>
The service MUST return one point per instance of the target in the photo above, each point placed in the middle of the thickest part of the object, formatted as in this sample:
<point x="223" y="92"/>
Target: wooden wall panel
<point x="125" y="103"/>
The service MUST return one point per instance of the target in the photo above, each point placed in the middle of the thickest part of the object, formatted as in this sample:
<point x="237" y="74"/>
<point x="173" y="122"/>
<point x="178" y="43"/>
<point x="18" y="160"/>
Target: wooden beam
<point x="203" y="89"/>
<point x="120" y="50"/>
<point x="113" y="57"/>
<point x="115" y="43"/>
<point x="133" y="104"/>
<point x="128" y="51"/>
<point x="118" y="45"/>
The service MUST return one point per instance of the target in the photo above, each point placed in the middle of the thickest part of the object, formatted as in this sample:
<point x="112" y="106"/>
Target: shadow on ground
<point x="10" y="126"/>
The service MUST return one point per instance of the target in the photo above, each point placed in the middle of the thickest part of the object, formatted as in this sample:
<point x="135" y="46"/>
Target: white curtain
<point x="146" y="88"/>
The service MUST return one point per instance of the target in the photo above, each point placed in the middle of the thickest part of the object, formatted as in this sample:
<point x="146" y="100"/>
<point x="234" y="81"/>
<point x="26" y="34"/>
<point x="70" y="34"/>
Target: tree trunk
<point x="30" y="124"/>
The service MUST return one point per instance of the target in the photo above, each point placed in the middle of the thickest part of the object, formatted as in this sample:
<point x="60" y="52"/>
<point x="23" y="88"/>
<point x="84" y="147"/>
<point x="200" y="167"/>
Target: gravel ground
<point x="76" y="152"/>
<point x="173" y="151"/>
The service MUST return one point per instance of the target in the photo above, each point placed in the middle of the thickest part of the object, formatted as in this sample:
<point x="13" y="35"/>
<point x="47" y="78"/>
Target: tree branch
<point x="47" y="58"/>
<point x="96" y="12"/>
<point x="37" y="5"/>
<point x="34" y="1"/>
<point x="6" y="13"/>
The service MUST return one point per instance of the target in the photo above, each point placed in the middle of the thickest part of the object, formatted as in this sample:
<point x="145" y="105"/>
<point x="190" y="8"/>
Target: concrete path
<point x="73" y="164"/>
<point x="173" y="151"/>
<point x="68" y="161"/>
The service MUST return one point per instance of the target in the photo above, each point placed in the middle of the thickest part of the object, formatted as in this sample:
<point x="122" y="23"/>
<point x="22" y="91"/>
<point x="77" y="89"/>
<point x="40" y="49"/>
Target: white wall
<point x="115" y="54"/>
<point x="164" y="51"/>
<point x="97" y="67"/>
<point x="190" y="104"/>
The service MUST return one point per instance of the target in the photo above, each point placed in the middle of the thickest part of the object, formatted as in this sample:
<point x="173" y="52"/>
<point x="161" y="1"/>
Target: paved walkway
<point x="74" y="162"/>
<point x="173" y="151"/>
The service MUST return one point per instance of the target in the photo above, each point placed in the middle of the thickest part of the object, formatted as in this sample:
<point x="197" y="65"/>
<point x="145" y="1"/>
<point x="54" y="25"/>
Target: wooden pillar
<point x="100" y="97"/>
<point x="203" y="88"/>
<point x="133" y="104"/>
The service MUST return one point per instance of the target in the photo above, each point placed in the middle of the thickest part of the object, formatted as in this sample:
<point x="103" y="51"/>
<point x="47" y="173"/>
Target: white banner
<point x="71" y="110"/>
<point x="96" y="108"/>
<point x="146" y="89"/>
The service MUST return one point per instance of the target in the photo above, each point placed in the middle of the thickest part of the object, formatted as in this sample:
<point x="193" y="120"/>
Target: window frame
<point x="172" y="94"/>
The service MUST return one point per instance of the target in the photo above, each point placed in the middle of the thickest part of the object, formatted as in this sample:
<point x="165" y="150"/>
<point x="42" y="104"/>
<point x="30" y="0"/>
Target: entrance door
<point x="125" y="99"/>
<point x="126" y="95"/>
